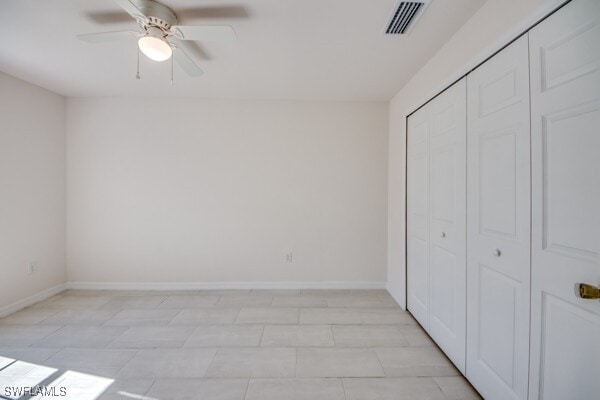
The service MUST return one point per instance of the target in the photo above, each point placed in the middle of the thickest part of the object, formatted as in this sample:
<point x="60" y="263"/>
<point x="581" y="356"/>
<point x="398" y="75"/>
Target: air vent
<point x="405" y="16"/>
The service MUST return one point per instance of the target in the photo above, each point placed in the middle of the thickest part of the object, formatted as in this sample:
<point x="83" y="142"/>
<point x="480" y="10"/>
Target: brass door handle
<point x="586" y="291"/>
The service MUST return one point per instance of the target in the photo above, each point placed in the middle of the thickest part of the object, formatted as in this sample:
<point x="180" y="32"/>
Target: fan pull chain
<point x="172" y="81"/>
<point x="137" y="75"/>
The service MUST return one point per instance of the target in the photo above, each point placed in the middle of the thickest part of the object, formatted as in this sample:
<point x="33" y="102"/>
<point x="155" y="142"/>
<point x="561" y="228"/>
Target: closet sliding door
<point x="565" y="123"/>
<point x="437" y="220"/>
<point x="498" y="224"/>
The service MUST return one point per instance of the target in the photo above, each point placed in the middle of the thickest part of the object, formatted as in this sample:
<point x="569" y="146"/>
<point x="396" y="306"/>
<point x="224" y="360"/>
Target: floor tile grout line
<point x="48" y="317"/>
<point x="374" y="350"/>
<point x="158" y="305"/>
<point x="135" y="354"/>
<point x="237" y="316"/>
<point x="216" y="349"/>
<point x="190" y="337"/>
<point x="175" y="317"/>
<point x="333" y="336"/>
<point x="262" y="334"/>
<point x="116" y="337"/>
<point x="344" y="389"/>
<point x="247" y="387"/>
<point x="150" y="387"/>
<point x="439" y="387"/>
<point x="296" y="363"/>
<point x="14" y="360"/>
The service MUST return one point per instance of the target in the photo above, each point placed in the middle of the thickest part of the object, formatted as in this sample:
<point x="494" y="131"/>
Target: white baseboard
<point x="36" y="298"/>
<point x="221" y="285"/>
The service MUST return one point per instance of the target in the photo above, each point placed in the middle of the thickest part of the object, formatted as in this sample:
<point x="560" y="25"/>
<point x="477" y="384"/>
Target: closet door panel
<point x="565" y="118"/>
<point x="498" y="224"/>
<point x="418" y="216"/>
<point x="448" y="222"/>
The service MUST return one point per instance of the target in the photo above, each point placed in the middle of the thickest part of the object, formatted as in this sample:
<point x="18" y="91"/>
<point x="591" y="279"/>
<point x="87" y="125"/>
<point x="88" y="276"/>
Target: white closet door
<point x="565" y="89"/>
<point x="447" y="186"/>
<point x="498" y="224"/>
<point x="418" y="215"/>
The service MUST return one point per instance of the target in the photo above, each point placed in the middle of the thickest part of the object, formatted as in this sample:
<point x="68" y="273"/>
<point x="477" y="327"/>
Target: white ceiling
<point x="286" y="49"/>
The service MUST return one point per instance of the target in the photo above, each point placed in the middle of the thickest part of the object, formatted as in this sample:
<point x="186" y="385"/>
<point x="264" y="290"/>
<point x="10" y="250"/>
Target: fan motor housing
<point x="157" y="15"/>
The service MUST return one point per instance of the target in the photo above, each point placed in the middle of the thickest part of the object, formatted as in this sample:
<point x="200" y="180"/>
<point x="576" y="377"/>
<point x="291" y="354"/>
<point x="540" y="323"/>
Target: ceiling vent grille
<point x="405" y="16"/>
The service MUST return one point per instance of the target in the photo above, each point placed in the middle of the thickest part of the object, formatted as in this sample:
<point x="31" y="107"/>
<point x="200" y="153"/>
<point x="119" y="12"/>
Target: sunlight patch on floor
<point x="20" y="379"/>
<point x="134" y="396"/>
<point x="76" y="386"/>
<point x="20" y="376"/>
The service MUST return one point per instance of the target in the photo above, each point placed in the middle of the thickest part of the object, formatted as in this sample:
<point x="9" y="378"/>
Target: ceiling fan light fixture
<point x="154" y="46"/>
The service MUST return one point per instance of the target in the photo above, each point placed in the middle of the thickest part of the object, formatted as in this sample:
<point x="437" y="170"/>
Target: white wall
<point x="218" y="191"/>
<point x="32" y="190"/>
<point x="491" y="27"/>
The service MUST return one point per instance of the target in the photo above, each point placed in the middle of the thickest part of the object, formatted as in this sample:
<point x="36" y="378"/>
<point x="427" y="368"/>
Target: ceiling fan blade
<point x="131" y="9"/>
<point x="204" y="32"/>
<point x="194" y="50"/>
<point x="108" y="17"/>
<point x="213" y="12"/>
<point x="186" y="63"/>
<point x="107" y="36"/>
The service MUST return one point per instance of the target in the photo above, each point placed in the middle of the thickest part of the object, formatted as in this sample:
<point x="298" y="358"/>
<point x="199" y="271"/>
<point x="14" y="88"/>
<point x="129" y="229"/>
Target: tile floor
<point x="226" y="345"/>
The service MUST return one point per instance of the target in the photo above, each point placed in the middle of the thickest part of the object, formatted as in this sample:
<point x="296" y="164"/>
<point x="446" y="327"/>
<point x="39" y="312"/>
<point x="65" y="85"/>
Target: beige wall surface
<point x="32" y="189"/>
<point x="189" y="190"/>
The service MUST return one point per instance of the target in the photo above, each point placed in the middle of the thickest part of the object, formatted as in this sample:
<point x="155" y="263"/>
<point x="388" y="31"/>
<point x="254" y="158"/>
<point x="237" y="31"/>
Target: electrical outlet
<point x="289" y="257"/>
<point x="32" y="268"/>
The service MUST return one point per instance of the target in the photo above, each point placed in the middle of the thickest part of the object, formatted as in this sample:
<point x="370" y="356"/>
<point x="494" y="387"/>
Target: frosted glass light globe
<point x="155" y="48"/>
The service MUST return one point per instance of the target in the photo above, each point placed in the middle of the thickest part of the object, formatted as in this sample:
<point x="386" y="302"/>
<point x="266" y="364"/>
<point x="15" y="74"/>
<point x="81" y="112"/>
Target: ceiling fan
<point x="160" y="34"/>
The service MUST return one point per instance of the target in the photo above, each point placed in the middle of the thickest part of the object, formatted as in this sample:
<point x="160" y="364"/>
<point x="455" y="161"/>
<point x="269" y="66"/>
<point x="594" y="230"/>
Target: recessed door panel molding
<point x="498" y="224"/>
<point x="417" y="215"/>
<point x="419" y="279"/>
<point x="565" y="116"/>
<point x="566" y="139"/>
<point x="436" y="213"/>
<point x="498" y="93"/>
<point x="568" y="57"/>
<point x="443" y="162"/>
<point x="419" y="190"/>
<point x="498" y="298"/>
<point x="444" y="265"/>
<point x="565" y="372"/>
<point x="448" y="222"/>
<point x="445" y="119"/>
<point x="498" y="212"/>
